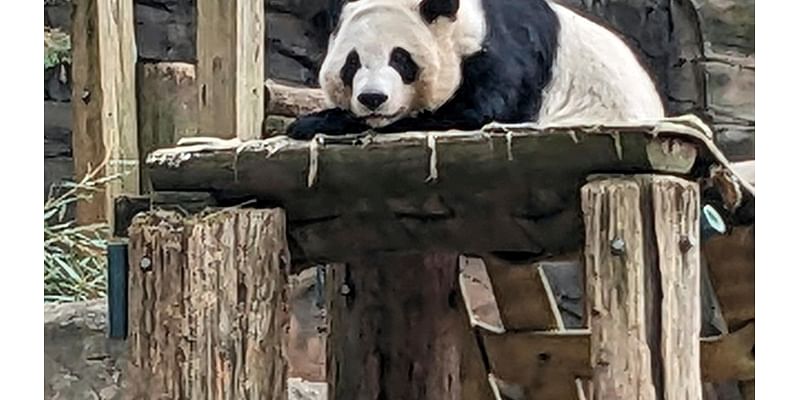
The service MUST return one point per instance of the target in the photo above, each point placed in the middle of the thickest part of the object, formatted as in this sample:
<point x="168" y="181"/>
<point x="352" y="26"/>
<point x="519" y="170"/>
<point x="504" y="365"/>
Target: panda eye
<point x="401" y="61"/>
<point x="351" y="66"/>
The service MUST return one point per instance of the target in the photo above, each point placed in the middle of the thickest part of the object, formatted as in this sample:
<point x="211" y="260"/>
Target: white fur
<point x="596" y="77"/>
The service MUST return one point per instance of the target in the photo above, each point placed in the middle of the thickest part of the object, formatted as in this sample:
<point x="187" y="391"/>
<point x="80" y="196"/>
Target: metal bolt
<point x="685" y="243"/>
<point x="344" y="290"/>
<point x="617" y="247"/>
<point x="145" y="263"/>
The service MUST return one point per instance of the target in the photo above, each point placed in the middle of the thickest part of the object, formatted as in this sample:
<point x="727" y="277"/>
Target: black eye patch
<point x="351" y="66"/>
<point x="401" y="61"/>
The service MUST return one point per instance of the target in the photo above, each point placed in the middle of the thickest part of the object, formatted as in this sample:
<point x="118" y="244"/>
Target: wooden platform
<point x="515" y="185"/>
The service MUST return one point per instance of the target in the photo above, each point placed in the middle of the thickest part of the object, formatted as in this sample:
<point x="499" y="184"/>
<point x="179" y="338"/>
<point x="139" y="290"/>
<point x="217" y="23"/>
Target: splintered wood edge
<point x="662" y="154"/>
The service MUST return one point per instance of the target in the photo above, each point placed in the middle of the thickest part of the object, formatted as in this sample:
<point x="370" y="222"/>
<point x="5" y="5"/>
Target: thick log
<point x="400" y="336"/>
<point x="643" y="286"/>
<point x="518" y="188"/>
<point x="230" y="68"/>
<point x="159" y="293"/>
<point x="167" y="107"/>
<point x="291" y="101"/>
<point x="207" y="305"/>
<point x="104" y="102"/>
<point x="239" y="260"/>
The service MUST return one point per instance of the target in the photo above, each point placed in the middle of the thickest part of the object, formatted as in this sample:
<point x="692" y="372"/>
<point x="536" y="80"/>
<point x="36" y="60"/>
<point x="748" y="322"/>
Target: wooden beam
<point x="544" y="363"/>
<point x="230" y="68"/>
<point x="423" y="202"/>
<point x="730" y="356"/>
<point x="207" y="298"/>
<point x="167" y="107"/>
<point x="104" y="102"/>
<point x="400" y="336"/>
<point x="292" y="101"/>
<point x="643" y="286"/>
<point x="524" y="296"/>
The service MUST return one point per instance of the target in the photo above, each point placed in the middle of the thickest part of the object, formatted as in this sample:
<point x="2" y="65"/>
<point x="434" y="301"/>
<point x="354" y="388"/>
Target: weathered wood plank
<point x="615" y="291"/>
<point x="524" y="296"/>
<point x="207" y="305"/>
<point x="730" y="356"/>
<point x="544" y="363"/>
<point x="104" y="102"/>
<point x="291" y="101"/>
<point x="676" y="223"/>
<point x="167" y="107"/>
<point x="159" y="321"/>
<point x="731" y="264"/>
<point x="400" y="336"/>
<point x="230" y="68"/>
<point x="239" y="260"/>
<point x="643" y="286"/>
<point x="414" y="200"/>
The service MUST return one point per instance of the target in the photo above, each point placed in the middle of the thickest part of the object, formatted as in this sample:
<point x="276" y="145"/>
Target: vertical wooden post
<point x="207" y="305"/>
<point x="643" y="287"/>
<point x="104" y="101"/>
<point x="397" y="335"/>
<point x="230" y="68"/>
<point x="167" y="107"/>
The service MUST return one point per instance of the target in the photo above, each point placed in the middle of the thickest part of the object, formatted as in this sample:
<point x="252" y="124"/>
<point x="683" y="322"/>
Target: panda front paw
<point x="334" y="121"/>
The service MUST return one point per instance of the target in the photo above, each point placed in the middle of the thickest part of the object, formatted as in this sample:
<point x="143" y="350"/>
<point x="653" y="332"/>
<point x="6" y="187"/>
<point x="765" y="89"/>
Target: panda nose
<point x="372" y="100"/>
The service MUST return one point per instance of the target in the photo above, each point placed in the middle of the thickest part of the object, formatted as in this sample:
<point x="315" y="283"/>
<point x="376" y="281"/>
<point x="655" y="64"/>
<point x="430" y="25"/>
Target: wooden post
<point x="230" y="68"/>
<point x="104" y="101"/>
<point x="643" y="287"/>
<point x="167" y="107"/>
<point x="207" y="305"/>
<point x="397" y="335"/>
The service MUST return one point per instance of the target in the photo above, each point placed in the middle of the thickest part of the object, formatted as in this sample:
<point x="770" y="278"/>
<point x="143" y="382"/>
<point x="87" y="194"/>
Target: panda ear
<point x="432" y="9"/>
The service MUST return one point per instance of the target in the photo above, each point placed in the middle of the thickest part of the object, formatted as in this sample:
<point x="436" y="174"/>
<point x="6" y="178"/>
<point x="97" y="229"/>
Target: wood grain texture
<point x="732" y="269"/>
<point x="323" y="190"/>
<point x="676" y="222"/>
<point x="104" y="102"/>
<point x="159" y="318"/>
<point x="292" y="101"/>
<point x="399" y="336"/>
<point x="615" y="286"/>
<point x="167" y="107"/>
<point x="643" y="286"/>
<point x="208" y="307"/>
<point x="230" y="68"/>
<point x="524" y="296"/>
<point x="239" y="260"/>
<point x="730" y="356"/>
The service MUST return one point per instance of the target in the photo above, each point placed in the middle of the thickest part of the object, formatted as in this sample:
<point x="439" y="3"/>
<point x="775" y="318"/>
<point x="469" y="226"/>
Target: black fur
<point x="432" y="9"/>
<point x="503" y="82"/>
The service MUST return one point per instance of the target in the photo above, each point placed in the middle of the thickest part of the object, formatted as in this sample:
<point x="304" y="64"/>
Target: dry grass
<point x="74" y="256"/>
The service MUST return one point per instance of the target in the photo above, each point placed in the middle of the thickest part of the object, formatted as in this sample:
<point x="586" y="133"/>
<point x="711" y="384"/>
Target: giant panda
<point x="399" y="65"/>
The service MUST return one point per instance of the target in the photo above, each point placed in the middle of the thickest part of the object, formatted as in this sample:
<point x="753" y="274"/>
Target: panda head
<point x="389" y="59"/>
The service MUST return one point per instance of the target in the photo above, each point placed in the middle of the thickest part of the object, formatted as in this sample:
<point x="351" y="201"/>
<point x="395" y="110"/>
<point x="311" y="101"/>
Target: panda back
<point x="596" y="77"/>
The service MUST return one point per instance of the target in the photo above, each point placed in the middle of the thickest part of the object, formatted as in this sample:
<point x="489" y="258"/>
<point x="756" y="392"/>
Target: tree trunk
<point x="399" y="330"/>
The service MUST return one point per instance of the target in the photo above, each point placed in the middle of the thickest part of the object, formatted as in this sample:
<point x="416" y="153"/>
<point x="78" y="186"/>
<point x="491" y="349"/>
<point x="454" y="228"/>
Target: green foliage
<point x="57" y="47"/>
<point x="74" y="256"/>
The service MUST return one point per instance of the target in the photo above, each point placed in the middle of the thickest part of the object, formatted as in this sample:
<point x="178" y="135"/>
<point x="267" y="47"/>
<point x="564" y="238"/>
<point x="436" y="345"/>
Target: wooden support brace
<point x="207" y="305"/>
<point x="104" y="102"/>
<point x="167" y="107"/>
<point x="230" y="68"/>
<point x="401" y="335"/>
<point x="643" y="286"/>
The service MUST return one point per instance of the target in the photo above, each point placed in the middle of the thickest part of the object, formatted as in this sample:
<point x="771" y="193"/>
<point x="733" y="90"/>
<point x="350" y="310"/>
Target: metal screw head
<point x="145" y="263"/>
<point x="617" y="247"/>
<point x="686" y="243"/>
<point x="344" y="290"/>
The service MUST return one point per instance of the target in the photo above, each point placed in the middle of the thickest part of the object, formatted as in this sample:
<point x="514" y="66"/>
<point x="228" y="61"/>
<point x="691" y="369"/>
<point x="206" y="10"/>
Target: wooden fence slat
<point x="230" y="68"/>
<point x="104" y="101"/>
